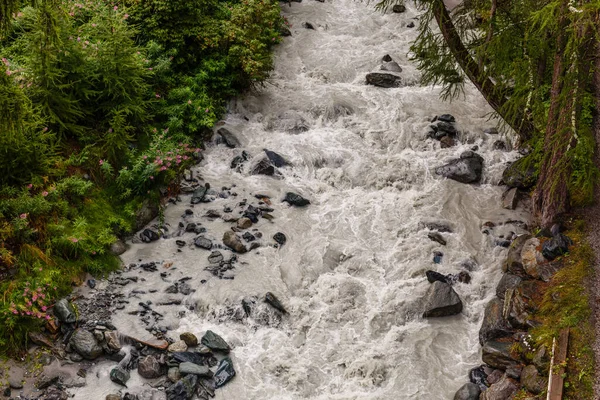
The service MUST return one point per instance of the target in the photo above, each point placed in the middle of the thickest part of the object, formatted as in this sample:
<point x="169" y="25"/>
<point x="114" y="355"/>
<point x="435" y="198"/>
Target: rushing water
<point x="352" y="270"/>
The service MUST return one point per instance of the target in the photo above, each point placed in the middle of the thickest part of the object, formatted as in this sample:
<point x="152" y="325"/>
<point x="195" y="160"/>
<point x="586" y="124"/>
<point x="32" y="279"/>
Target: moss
<point x="565" y="304"/>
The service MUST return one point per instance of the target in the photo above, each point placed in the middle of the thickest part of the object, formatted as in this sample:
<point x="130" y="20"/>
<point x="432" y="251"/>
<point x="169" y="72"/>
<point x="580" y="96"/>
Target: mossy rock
<point x="520" y="174"/>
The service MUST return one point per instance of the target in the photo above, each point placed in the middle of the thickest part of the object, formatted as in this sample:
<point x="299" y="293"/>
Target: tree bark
<point x="520" y="124"/>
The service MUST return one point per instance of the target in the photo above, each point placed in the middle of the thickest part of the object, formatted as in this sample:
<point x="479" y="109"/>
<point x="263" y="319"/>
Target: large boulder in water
<point x="85" y="344"/>
<point x="295" y="199"/>
<point x="441" y="301"/>
<point x="276" y="159"/>
<point x="468" y="391"/>
<point x="263" y="167"/>
<point x="520" y="174"/>
<point x="384" y="79"/>
<point x="494" y="325"/>
<point x="229" y="138"/>
<point x="215" y="342"/>
<point x="466" y="169"/>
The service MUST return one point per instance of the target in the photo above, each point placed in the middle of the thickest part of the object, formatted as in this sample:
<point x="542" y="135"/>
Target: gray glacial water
<point x="352" y="270"/>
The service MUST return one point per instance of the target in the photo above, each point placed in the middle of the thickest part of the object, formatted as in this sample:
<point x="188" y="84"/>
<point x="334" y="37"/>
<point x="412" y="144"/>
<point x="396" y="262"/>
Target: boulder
<point x="478" y="376"/>
<point x="384" y="79"/>
<point x="183" y="389"/>
<point x="64" y="311"/>
<point x="84" y="342"/>
<point x="203" y="243"/>
<point x="466" y="169"/>
<point x="215" y="342"/>
<point x="531" y="257"/>
<point x="520" y="174"/>
<point x="186" y="368"/>
<point x="513" y="263"/>
<point x="229" y="138"/>
<point x="437" y="237"/>
<point x="295" y="199"/>
<point x="555" y="247"/>
<point x="149" y="235"/>
<point x="468" y="391"/>
<point x="508" y="281"/>
<point x="146" y="213"/>
<point x="225" y="372"/>
<point x="532" y="381"/>
<point x="520" y="304"/>
<point x="280" y="238"/>
<point x="199" y="194"/>
<point x="446" y="142"/>
<point x="510" y="199"/>
<point x="276" y="159"/>
<point x="118" y="247"/>
<point x="446" y="118"/>
<point x="391" y="66"/>
<point x="498" y="355"/>
<point x="149" y="367"/>
<point x="433" y="276"/>
<point x="272" y="300"/>
<point x="237" y="161"/>
<point x="231" y="240"/>
<point x="494" y="324"/>
<point x="308" y="25"/>
<point x="501" y="390"/>
<point x="189" y="338"/>
<point x="445" y="129"/>
<point x="399" y="8"/>
<point x="262" y="167"/>
<point x="441" y="301"/>
<point x="119" y="375"/>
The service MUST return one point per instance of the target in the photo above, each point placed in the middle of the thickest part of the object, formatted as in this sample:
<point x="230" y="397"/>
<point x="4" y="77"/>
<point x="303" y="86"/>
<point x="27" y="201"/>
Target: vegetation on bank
<point x="103" y="104"/>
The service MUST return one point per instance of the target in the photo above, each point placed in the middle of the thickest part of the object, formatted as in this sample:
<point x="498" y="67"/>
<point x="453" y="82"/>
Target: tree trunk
<point x="520" y="124"/>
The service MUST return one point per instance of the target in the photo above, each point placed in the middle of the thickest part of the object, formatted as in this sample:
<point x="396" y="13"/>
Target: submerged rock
<point x="276" y="159"/>
<point x="263" y="167"/>
<point x="384" y="79"/>
<point x="398" y="8"/>
<point x="433" y="276"/>
<point x="466" y="169"/>
<point x="225" y="372"/>
<point x="441" y="301"/>
<point x="271" y="299"/>
<point x="437" y="237"/>
<point x="295" y="199"/>
<point x="229" y="138"/>
<point x="391" y="66"/>
<point x="468" y="391"/>
<point x="199" y="194"/>
<point x="215" y="342"/>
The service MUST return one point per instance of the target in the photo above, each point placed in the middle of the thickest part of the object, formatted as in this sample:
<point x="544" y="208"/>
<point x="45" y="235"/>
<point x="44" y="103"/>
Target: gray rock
<point x="501" y="390"/>
<point x="490" y="131"/>
<point x="146" y="213"/>
<point x="271" y="299"/>
<point x="468" y="391"/>
<point x="446" y="118"/>
<point x="494" y="325"/>
<point x="466" y="169"/>
<point x="183" y="389"/>
<point x="295" y="199"/>
<point x="280" y="238"/>
<point x="510" y="199"/>
<point x="112" y="340"/>
<point x="203" y="243"/>
<point x="556" y="247"/>
<point x="532" y="381"/>
<point x="384" y="79"/>
<point x="215" y="342"/>
<point x="231" y="240"/>
<point x="508" y="281"/>
<point x="441" y="301"/>
<point x="498" y="355"/>
<point x="513" y="263"/>
<point x="84" y="343"/>
<point x="149" y="367"/>
<point x="173" y="375"/>
<point x="520" y="174"/>
<point x="391" y="66"/>
<point x="195" y="369"/>
<point x="437" y="237"/>
<point x="149" y="235"/>
<point x="276" y="159"/>
<point x="118" y="248"/>
<point x="215" y="257"/>
<point x="531" y="257"/>
<point x="189" y="338"/>
<point x="263" y="167"/>
<point x="229" y="138"/>
<point x="64" y="311"/>
<point x="119" y="375"/>
<point x="54" y="393"/>
<point x="198" y="195"/>
<point x="308" y="25"/>
<point x="398" y="8"/>
<point x="225" y="372"/>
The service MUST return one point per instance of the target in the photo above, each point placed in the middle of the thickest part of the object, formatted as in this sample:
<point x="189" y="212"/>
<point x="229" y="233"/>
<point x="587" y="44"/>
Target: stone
<point x="46" y="380"/>
<point x="391" y="66"/>
<point x="308" y="25"/>
<point x="229" y="138"/>
<point x="178" y="346"/>
<point x="186" y="368"/>
<point x="84" y="343"/>
<point x="183" y="389"/>
<point x="272" y="300"/>
<point x="437" y="237"/>
<point x="445" y="129"/>
<point x="276" y="159"/>
<point x="280" y="238"/>
<point x="556" y="247"/>
<point x="119" y="375"/>
<point x="468" y="391"/>
<point x="198" y="195"/>
<point x="149" y="235"/>
<point x="244" y="223"/>
<point x="173" y="374"/>
<point x="446" y="118"/>
<point x="437" y="257"/>
<point x="203" y="243"/>
<point x="398" y="8"/>
<point x="231" y="240"/>
<point x="215" y="257"/>
<point x="464" y="277"/>
<point x="478" y="376"/>
<point x="441" y="301"/>
<point x="510" y="199"/>
<point x="447" y="141"/>
<point x="500" y="145"/>
<point x="117" y="248"/>
<point x="149" y="367"/>
<point x="112" y="340"/>
<point x="532" y="381"/>
<point x="113" y="397"/>
<point x="520" y="174"/>
<point x="501" y="390"/>
<point x="513" y="263"/>
<point x="188" y="356"/>
<point x="239" y="160"/>
<point x="263" y="167"/>
<point x="386" y="58"/>
<point x="54" y="393"/>
<point x="531" y="257"/>
<point x="225" y="372"/>
<point x="439" y="226"/>
<point x="508" y="281"/>
<point x="494" y="325"/>
<point x="433" y="276"/>
<point x="466" y="169"/>
<point x="411" y="24"/>
<point x="189" y="338"/>
<point x="498" y="354"/>
<point x="519" y="304"/>
<point x="384" y="79"/>
<point x="64" y="311"/>
<point x="491" y="131"/>
<point x="215" y="342"/>
<point x="146" y="213"/>
<point x="295" y="199"/>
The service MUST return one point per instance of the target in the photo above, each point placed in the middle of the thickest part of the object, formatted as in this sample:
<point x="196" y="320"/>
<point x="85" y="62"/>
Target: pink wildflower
<point x="157" y="96"/>
<point x="163" y="168"/>
<point x="115" y="8"/>
<point x="101" y="162"/>
<point x="74" y="240"/>
<point x="151" y="177"/>
<point x="125" y="16"/>
<point x="23" y="216"/>
<point x="30" y="186"/>
<point x="8" y="72"/>
<point x="44" y="308"/>
<point x="44" y="193"/>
